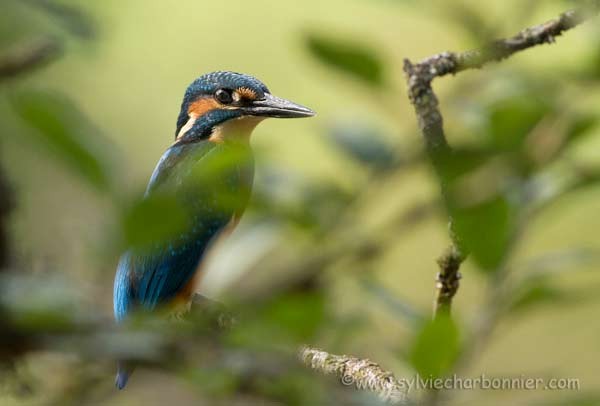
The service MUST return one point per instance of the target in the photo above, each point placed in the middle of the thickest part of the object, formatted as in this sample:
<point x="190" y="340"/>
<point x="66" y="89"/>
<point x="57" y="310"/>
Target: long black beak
<point x="272" y="106"/>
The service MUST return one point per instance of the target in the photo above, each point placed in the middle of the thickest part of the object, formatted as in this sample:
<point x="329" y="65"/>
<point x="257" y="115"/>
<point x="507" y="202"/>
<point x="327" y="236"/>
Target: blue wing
<point x="151" y="277"/>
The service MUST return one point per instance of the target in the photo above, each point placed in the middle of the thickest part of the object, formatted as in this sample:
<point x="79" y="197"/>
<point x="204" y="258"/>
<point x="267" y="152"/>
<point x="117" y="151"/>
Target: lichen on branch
<point x="360" y="373"/>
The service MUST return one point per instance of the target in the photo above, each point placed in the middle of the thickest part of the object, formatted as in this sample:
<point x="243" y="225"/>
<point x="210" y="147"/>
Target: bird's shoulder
<point x="200" y="162"/>
<point x="176" y="160"/>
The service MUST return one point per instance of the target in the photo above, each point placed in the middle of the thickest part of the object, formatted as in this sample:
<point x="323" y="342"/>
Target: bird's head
<point x="228" y="104"/>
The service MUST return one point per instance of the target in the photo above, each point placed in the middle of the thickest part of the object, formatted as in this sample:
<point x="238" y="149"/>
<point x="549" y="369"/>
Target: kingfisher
<point x="208" y="171"/>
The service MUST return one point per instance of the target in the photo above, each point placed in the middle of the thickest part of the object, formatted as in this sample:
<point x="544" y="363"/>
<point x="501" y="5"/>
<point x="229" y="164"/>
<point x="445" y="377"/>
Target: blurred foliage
<point x="6" y="205"/>
<point x="364" y="144"/>
<point x="71" y="18"/>
<point x="536" y="293"/>
<point x="354" y="59"/>
<point x="485" y="229"/>
<point x="513" y="118"/>
<point x="141" y="233"/>
<point x="66" y="133"/>
<point x="436" y="347"/>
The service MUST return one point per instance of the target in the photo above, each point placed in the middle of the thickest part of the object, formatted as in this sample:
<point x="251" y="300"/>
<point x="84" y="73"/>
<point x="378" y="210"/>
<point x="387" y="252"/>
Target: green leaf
<point x="581" y="399"/>
<point x="581" y="126"/>
<point x="397" y="305"/>
<point x="485" y="230"/>
<point x="299" y="315"/>
<point x="452" y="164"/>
<point x="290" y="319"/>
<point x="591" y="67"/>
<point x="364" y="144"/>
<point x="483" y="218"/>
<point x="513" y="118"/>
<point x="535" y="293"/>
<point x="290" y="388"/>
<point x="53" y="307"/>
<point x="212" y="380"/>
<point x="356" y="60"/>
<point x="66" y="132"/>
<point x="155" y="219"/>
<point x="435" y="347"/>
<point x="472" y="20"/>
<point x="73" y="19"/>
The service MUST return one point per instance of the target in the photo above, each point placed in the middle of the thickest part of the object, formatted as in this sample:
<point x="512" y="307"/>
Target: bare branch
<point x="546" y="33"/>
<point x="419" y="77"/>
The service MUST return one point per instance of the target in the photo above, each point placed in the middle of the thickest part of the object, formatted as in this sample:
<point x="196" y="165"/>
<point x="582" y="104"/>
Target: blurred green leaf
<point x="580" y="126"/>
<point x="291" y="318"/>
<point x="580" y="399"/>
<point x="475" y="22"/>
<point x="485" y="230"/>
<point x="455" y="163"/>
<point x="64" y="130"/>
<point x="291" y="388"/>
<point x="589" y="69"/>
<point x="474" y="186"/>
<point x="535" y="293"/>
<point x="357" y="60"/>
<point x="435" y="347"/>
<point x="364" y="144"/>
<point x="154" y="219"/>
<point x="299" y="314"/>
<point x="311" y="206"/>
<point x="399" y="306"/>
<point x="41" y="302"/>
<point x="214" y="381"/>
<point x="539" y="285"/>
<point x="72" y="18"/>
<point x="513" y="118"/>
<point x="595" y="65"/>
<point x="559" y="262"/>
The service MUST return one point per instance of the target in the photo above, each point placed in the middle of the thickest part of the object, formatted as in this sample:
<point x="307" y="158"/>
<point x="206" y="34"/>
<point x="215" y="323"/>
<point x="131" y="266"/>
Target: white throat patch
<point x="237" y="129"/>
<point x="188" y="125"/>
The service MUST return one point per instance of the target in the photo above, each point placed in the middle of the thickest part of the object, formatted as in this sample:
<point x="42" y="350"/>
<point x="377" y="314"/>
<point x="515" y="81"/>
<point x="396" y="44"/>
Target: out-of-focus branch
<point x="419" y="77"/>
<point x="27" y="57"/>
<point x="213" y="312"/>
<point x="360" y="373"/>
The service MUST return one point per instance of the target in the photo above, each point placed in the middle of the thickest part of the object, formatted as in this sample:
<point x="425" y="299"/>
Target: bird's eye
<point x="224" y="96"/>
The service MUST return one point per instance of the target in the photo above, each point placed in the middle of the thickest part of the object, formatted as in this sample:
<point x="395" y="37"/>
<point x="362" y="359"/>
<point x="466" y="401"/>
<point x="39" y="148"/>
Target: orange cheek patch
<point x="197" y="109"/>
<point x="202" y="106"/>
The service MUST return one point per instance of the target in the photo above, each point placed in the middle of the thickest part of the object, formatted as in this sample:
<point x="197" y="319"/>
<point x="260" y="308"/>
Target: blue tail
<point x="123" y="372"/>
